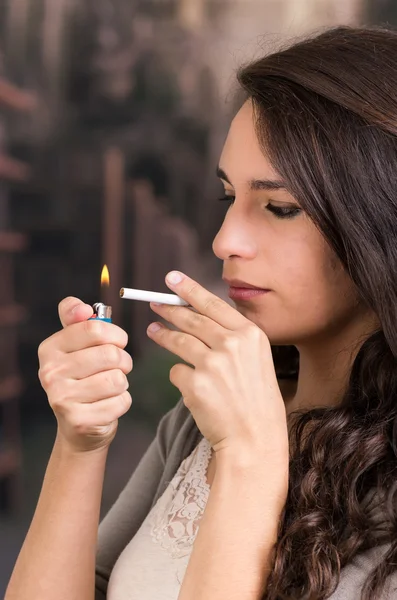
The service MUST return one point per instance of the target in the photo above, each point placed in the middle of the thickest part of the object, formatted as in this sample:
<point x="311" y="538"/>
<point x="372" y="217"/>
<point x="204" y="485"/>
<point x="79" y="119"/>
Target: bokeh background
<point x="112" y="118"/>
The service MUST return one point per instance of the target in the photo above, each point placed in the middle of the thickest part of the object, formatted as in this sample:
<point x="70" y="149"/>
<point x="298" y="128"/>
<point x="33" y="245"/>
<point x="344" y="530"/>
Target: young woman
<point x="275" y="476"/>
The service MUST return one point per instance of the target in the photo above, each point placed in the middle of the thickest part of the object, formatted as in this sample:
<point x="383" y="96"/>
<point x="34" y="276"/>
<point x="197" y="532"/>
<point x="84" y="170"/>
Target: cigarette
<point x="145" y="296"/>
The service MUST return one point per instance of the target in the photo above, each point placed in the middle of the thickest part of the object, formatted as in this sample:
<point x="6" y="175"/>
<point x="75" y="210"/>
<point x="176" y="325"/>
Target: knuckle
<point x="199" y="387"/>
<point x="192" y="289"/>
<point x="231" y="343"/>
<point x="125" y="401"/>
<point x="252" y="332"/>
<point x="265" y="340"/>
<point x="117" y="380"/>
<point x="195" y="320"/>
<point x="118" y="406"/>
<point x="56" y="405"/>
<point x="95" y="330"/>
<point x="110" y="354"/>
<point x="48" y="347"/>
<point x="41" y="350"/>
<point x="213" y="305"/>
<point x="81" y="428"/>
<point x="216" y="364"/>
<point x="180" y="340"/>
<point x="59" y="406"/>
<point x="174" y="373"/>
<point x="207" y="362"/>
<point x="129" y="363"/>
<point x="47" y="375"/>
<point x="77" y="422"/>
<point x="122" y="336"/>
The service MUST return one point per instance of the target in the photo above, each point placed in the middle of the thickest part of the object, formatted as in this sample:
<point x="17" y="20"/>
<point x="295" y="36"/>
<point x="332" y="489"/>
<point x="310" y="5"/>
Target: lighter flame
<point x="105" y="278"/>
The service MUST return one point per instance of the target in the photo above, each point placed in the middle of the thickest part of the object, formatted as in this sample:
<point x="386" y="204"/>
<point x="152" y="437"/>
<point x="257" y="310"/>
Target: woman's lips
<point x="240" y="293"/>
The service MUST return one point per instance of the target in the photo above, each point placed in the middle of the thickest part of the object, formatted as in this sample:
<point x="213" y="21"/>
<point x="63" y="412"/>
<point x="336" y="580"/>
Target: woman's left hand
<point x="232" y="391"/>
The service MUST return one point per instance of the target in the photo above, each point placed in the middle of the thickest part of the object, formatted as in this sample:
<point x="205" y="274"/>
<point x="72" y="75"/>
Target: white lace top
<point x="153" y="564"/>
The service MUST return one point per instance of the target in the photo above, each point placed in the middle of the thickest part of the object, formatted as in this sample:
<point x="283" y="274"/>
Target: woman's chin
<point x="278" y="336"/>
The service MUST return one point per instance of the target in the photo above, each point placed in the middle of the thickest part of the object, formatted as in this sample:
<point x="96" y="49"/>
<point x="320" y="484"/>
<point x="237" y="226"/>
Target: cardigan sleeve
<point x="354" y="574"/>
<point x="133" y="504"/>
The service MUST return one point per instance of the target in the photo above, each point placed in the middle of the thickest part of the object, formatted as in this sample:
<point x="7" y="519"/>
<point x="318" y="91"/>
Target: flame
<point x="105" y="277"/>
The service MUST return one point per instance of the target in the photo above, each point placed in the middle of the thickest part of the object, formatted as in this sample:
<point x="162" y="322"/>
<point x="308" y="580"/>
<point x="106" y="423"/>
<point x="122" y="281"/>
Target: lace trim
<point x="176" y="515"/>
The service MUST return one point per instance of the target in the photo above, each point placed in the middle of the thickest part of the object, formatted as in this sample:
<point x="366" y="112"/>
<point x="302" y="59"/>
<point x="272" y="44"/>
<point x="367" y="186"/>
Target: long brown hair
<point x="325" y="112"/>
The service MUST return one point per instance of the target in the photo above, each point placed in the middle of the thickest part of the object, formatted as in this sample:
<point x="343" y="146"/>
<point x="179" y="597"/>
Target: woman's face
<point x="311" y="296"/>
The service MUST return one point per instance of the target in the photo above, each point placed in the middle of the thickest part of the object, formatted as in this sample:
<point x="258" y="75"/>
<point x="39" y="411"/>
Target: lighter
<point x="102" y="312"/>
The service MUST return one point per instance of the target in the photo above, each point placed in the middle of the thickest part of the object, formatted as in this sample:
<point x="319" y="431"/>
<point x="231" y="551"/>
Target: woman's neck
<point x="324" y="368"/>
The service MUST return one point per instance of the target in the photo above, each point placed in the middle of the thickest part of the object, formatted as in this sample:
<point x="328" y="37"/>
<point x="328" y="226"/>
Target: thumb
<point x="72" y="310"/>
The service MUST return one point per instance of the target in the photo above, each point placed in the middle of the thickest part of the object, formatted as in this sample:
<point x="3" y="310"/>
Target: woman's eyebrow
<point x="255" y="184"/>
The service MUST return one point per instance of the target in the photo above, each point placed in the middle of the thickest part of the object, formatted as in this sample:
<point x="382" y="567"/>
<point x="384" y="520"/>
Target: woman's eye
<point x="281" y="212"/>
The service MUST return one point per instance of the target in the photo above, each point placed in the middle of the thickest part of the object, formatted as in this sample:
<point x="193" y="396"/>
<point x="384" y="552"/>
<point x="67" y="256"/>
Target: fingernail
<point x="154" y="327"/>
<point x="72" y="312"/>
<point x="174" y="277"/>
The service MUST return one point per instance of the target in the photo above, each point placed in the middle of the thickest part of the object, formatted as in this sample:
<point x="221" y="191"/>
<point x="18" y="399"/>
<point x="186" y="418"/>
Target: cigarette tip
<point x="122" y="293"/>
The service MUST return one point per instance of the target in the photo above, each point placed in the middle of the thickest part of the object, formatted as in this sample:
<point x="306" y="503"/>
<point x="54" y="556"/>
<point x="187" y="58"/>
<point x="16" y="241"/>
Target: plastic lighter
<point x="102" y="312"/>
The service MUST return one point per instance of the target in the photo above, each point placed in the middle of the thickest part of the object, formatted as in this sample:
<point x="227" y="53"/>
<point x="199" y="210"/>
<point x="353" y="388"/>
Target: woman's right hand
<point x="83" y="370"/>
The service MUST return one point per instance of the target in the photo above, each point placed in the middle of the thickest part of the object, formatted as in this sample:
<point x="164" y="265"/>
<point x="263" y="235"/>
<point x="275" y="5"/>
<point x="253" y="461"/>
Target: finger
<point x="206" y="303"/>
<point x="83" y="335"/>
<point x="187" y="347"/>
<point x="84" y="363"/>
<point x="72" y="310"/>
<point x="103" y="412"/>
<point x="181" y="378"/>
<point x="97" y="387"/>
<point x="203" y="328"/>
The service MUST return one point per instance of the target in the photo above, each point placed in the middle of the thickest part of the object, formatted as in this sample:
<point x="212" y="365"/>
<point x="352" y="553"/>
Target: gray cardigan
<point x="177" y="436"/>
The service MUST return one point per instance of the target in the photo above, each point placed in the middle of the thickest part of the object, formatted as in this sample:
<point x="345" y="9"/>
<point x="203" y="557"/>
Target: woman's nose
<point x="234" y="239"/>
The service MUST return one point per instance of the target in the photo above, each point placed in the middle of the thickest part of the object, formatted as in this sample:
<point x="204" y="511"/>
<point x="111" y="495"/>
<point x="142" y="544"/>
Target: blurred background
<point x="112" y="118"/>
